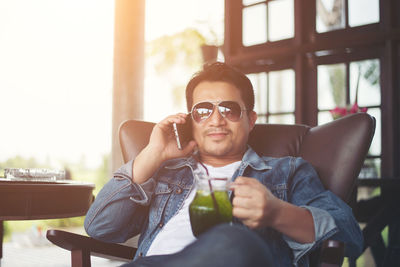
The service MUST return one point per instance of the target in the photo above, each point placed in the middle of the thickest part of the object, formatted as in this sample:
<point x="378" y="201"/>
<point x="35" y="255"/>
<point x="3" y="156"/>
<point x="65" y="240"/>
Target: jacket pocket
<point x="162" y="188"/>
<point x="161" y="196"/>
<point x="279" y="190"/>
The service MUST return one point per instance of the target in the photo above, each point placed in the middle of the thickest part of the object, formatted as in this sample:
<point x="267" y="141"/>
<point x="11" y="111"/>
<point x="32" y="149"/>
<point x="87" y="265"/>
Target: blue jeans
<point x="223" y="245"/>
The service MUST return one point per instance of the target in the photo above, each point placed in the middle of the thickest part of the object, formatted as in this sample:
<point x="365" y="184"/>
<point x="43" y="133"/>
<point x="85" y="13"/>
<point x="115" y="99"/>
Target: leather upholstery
<point x="133" y="137"/>
<point x="336" y="150"/>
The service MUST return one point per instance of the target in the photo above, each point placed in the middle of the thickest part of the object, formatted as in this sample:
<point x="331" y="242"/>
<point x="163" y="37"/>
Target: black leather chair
<point x="336" y="150"/>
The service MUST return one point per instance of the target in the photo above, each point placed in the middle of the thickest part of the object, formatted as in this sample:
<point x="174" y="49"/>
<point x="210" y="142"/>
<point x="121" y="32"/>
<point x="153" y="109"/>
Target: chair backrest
<point x="336" y="150"/>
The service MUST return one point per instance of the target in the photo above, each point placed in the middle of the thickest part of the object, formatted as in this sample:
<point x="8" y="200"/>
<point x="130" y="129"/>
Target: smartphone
<point x="183" y="133"/>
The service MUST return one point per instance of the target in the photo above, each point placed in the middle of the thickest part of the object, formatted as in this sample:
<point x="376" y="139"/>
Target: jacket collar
<point x="250" y="158"/>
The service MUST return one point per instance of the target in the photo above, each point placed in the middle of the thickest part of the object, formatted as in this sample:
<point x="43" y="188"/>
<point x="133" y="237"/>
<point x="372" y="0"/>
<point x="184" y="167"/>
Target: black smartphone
<point x="183" y="133"/>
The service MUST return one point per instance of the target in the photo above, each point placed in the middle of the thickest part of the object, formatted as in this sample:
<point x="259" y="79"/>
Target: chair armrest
<point x="75" y="242"/>
<point x="332" y="253"/>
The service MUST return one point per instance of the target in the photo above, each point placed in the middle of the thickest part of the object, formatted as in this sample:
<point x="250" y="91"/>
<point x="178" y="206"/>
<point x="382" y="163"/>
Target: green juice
<point x="203" y="213"/>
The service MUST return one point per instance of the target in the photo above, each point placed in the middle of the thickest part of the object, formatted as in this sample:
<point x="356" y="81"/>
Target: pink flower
<point x="339" y="112"/>
<point x="354" y="108"/>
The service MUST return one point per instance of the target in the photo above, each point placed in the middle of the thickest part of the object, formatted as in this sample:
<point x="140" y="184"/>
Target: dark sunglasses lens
<point x="202" y="111"/>
<point x="230" y="110"/>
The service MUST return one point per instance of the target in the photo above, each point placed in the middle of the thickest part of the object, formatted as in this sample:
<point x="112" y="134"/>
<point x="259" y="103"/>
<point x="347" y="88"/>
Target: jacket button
<point x="178" y="190"/>
<point x="141" y="254"/>
<point x="160" y="225"/>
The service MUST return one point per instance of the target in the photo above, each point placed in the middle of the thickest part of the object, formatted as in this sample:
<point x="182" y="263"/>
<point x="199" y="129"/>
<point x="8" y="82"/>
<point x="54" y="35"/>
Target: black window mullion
<point x="267" y="20"/>
<point x="348" y="83"/>
<point x="268" y="97"/>
<point x="346" y="13"/>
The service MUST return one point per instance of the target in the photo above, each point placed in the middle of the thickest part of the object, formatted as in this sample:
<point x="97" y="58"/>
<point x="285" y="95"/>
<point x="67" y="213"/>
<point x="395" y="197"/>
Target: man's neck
<point x="219" y="161"/>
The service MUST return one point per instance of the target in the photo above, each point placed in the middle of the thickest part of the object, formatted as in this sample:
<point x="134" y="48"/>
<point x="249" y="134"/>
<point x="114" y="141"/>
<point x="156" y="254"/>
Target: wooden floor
<point x="44" y="256"/>
<point x="27" y="250"/>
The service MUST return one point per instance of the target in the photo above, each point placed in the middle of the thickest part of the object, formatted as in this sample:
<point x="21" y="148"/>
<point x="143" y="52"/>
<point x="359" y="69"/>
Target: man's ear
<point x="252" y="119"/>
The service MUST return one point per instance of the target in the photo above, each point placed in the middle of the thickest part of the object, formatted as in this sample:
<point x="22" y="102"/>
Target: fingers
<point x="242" y="213"/>
<point x="247" y="201"/>
<point x="253" y="218"/>
<point x="242" y="190"/>
<point x="163" y="141"/>
<point x="246" y="187"/>
<point x="250" y="201"/>
<point x="246" y="180"/>
<point x="252" y="224"/>
<point x="166" y="124"/>
<point x="242" y="202"/>
<point x="177" y="118"/>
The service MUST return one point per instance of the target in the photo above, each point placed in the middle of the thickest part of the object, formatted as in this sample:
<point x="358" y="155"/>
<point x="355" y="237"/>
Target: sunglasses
<point x="228" y="109"/>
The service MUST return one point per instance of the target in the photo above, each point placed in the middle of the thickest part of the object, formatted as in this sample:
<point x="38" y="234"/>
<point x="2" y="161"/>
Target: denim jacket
<point x="123" y="209"/>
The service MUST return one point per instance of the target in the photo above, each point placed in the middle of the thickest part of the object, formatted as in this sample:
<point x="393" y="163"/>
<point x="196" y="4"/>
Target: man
<point x="281" y="210"/>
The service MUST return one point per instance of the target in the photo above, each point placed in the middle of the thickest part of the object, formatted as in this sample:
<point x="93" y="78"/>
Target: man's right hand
<point x="161" y="147"/>
<point x="162" y="139"/>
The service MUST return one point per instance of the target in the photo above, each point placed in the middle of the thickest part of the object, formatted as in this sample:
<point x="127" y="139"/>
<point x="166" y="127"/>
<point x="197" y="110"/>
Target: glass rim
<point x="217" y="104"/>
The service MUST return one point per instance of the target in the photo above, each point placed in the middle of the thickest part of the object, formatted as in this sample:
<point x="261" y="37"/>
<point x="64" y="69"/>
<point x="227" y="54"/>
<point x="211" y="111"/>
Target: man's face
<point x="218" y="136"/>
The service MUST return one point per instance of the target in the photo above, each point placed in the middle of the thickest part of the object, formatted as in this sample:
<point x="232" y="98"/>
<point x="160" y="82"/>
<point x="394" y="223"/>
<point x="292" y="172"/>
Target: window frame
<point x="378" y="40"/>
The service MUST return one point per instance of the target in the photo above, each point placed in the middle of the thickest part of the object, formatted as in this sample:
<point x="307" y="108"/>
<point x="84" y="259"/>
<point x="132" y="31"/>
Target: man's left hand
<point x="253" y="203"/>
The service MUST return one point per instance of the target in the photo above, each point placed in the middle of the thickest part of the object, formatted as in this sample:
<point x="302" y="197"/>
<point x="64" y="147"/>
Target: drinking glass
<point x="211" y="204"/>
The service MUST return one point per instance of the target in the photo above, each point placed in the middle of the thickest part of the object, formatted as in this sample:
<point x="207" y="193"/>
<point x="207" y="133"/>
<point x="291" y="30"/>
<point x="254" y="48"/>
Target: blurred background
<point x="72" y="71"/>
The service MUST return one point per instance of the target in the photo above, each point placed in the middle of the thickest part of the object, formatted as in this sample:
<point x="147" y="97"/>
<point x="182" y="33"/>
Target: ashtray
<point x="33" y="174"/>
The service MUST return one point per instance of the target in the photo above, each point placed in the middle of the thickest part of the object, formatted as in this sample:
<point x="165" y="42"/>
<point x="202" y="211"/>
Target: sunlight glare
<point x="56" y="79"/>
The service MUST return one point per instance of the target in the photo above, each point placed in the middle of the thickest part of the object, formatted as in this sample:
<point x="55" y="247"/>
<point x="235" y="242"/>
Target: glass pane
<point x="249" y="2"/>
<point x="261" y="119"/>
<point x="254" y="25"/>
<point x="259" y="81"/>
<point x="324" y="117"/>
<point x="371" y="169"/>
<point x="281" y="91"/>
<point x="375" y="148"/>
<point x="331" y="86"/>
<point x="282" y="119"/>
<point x="364" y="193"/>
<point x="280" y="20"/>
<point x="365" y="75"/>
<point x="330" y="15"/>
<point x="363" y="12"/>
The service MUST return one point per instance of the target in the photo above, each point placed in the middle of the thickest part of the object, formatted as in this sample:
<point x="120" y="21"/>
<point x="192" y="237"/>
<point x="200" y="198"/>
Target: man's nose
<point x="216" y="117"/>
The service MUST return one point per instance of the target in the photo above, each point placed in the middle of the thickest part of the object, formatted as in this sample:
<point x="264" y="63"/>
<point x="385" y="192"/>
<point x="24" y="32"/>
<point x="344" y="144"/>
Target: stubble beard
<point x="216" y="150"/>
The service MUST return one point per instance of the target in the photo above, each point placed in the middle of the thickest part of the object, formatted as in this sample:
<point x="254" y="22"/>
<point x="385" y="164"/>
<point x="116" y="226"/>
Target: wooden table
<point x="34" y="200"/>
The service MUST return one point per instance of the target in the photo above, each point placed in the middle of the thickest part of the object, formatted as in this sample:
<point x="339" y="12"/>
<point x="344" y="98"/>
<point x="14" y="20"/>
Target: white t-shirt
<point x="177" y="232"/>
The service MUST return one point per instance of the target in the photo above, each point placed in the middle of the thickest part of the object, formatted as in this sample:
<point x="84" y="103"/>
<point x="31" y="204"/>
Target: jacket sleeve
<point x="121" y="208"/>
<point x="332" y="217"/>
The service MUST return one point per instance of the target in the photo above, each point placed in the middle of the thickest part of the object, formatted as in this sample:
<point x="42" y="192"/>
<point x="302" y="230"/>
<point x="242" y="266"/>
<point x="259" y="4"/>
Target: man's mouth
<point x="217" y="134"/>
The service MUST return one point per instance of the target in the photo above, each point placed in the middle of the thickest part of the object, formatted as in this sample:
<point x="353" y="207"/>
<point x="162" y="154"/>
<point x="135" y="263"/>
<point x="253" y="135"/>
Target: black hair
<point x="222" y="72"/>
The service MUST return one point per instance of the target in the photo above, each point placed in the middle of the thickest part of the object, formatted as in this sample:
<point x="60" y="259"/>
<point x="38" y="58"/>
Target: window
<point x="274" y="96"/>
<point x="267" y="21"/>
<point x="341" y="14"/>
<point x="331" y="53"/>
<point x="343" y="85"/>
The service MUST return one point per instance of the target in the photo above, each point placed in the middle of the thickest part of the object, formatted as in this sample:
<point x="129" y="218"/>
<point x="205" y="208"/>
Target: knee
<point x="230" y="232"/>
<point x="226" y="229"/>
<point x="237" y="237"/>
<point x="238" y="243"/>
